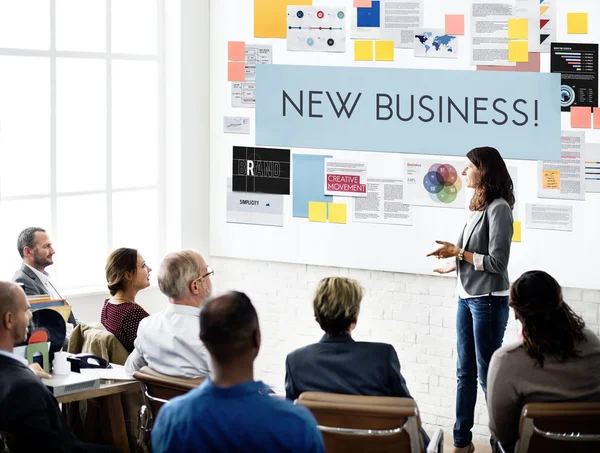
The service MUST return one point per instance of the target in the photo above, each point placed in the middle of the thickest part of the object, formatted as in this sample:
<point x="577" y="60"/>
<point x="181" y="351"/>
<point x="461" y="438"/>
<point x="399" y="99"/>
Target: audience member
<point x="29" y="414"/>
<point x="169" y="341"/>
<point x="555" y="361"/>
<point x="126" y="274"/>
<point x="337" y="363"/>
<point x="35" y="248"/>
<point x="231" y="412"/>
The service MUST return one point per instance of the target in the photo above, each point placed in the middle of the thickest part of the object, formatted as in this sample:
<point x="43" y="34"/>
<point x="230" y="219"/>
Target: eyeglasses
<point x="209" y="271"/>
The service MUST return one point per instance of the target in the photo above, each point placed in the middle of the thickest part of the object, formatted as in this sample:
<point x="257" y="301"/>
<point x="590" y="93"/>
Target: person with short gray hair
<point x="185" y="278"/>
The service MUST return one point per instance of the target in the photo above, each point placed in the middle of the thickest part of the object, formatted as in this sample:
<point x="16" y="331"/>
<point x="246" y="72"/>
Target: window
<point x="82" y="132"/>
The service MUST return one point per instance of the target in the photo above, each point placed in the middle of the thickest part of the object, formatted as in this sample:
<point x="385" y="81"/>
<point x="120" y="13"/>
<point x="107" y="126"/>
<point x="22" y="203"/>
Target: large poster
<point x="438" y="112"/>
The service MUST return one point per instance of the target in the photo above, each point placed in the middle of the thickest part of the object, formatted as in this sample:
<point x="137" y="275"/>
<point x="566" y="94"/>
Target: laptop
<point x="71" y="383"/>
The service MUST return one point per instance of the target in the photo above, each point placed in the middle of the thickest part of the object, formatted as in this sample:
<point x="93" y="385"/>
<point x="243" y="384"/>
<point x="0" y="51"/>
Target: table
<point x="110" y="392"/>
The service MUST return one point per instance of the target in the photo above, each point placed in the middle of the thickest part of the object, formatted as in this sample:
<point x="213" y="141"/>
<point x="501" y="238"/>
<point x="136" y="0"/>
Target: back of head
<point x="176" y="272"/>
<point x="8" y="299"/>
<point x="337" y="304"/>
<point x="27" y="239"/>
<point x="495" y="181"/>
<point x="120" y="262"/>
<point x="229" y="327"/>
<point x="550" y="327"/>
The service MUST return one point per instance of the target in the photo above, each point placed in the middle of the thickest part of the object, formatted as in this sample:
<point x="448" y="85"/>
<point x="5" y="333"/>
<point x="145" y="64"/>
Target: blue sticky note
<point x="368" y="17"/>
<point x="308" y="182"/>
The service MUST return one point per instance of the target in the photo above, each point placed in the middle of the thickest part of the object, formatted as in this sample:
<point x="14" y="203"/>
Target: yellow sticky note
<point x="270" y="17"/>
<point x="337" y="212"/>
<point x="384" y="50"/>
<point x="518" y="51"/>
<point x="363" y="50"/>
<point x="317" y="211"/>
<point x="551" y="179"/>
<point x="518" y="28"/>
<point x="577" y="23"/>
<point x="516" y="231"/>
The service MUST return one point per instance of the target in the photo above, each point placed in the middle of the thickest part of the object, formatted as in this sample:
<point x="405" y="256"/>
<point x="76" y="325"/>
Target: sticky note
<point x="581" y="117"/>
<point x="362" y="3"/>
<point x="518" y="51"/>
<point x="577" y="23"/>
<point x="317" y="211"/>
<point x="337" y="212"/>
<point x="270" y="17"/>
<point x="518" y="28"/>
<point x="363" y="50"/>
<point x="236" y="71"/>
<point x="455" y="24"/>
<point x="368" y="17"/>
<point x="516" y="231"/>
<point x="597" y="118"/>
<point x="551" y="179"/>
<point x="236" y="51"/>
<point x="384" y="50"/>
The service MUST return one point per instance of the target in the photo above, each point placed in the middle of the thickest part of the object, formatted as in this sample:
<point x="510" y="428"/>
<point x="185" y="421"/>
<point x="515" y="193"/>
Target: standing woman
<point x="126" y="274"/>
<point x="482" y="254"/>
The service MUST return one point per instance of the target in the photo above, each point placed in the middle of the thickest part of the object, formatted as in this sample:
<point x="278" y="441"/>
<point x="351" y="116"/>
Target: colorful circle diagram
<point x="442" y="183"/>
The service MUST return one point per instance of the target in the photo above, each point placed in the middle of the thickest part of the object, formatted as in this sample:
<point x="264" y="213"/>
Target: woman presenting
<point x="481" y="263"/>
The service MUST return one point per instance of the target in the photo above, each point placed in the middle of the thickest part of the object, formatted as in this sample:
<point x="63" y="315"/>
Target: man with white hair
<point x="169" y="341"/>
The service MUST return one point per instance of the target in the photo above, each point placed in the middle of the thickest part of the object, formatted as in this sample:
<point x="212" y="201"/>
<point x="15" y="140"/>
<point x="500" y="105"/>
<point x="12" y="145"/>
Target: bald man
<point x="231" y="412"/>
<point x="29" y="413"/>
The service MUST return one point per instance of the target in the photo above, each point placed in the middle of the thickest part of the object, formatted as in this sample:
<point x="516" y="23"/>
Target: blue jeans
<point x="480" y="326"/>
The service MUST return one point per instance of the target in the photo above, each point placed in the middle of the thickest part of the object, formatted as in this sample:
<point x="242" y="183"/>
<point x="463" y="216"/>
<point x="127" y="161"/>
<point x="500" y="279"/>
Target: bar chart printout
<point x="578" y="67"/>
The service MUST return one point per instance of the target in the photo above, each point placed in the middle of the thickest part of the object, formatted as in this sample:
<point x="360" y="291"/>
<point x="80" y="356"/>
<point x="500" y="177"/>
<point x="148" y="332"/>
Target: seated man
<point x="231" y="412"/>
<point x="28" y="411"/>
<point x="169" y="341"/>
<point x="35" y="248"/>
<point x="556" y="361"/>
<point x="337" y="363"/>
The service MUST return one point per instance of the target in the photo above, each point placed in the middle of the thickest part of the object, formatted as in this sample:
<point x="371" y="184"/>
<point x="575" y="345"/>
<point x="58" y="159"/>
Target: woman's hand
<point x="39" y="371"/>
<point x="445" y="270"/>
<point x="447" y="250"/>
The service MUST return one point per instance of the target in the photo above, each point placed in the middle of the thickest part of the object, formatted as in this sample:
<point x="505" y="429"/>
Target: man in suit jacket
<point x="29" y="414"/>
<point x="337" y="363"/>
<point x="35" y="248"/>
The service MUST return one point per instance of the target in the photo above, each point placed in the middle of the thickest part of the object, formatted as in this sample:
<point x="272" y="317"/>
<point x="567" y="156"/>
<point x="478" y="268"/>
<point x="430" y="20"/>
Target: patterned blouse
<point x="122" y="320"/>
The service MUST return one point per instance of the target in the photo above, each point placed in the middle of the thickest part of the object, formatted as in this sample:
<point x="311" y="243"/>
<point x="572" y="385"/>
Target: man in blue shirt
<point x="231" y="412"/>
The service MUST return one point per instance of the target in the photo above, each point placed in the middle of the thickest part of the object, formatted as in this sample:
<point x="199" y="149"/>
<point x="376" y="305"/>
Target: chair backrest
<point x="560" y="427"/>
<point x="351" y="423"/>
<point x="159" y="388"/>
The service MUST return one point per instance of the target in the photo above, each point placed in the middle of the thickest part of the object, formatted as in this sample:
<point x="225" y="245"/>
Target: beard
<point x="38" y="260"/>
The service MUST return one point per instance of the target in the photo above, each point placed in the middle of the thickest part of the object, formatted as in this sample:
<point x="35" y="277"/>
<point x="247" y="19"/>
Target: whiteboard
<point x="565" y="255"/>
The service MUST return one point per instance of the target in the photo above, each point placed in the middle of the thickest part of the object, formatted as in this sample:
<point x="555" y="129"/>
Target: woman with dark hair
<point x="481" y="253"/>
<point x="126" y="274"/>
<point x="557" y="360"/>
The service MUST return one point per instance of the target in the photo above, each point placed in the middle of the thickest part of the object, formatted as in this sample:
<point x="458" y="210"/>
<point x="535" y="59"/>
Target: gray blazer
<point x="32" y="286"/>
<point x="491" y="236"/>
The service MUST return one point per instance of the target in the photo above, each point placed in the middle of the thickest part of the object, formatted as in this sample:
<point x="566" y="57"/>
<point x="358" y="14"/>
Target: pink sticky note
<point x="533" y="65"/>
<point x="581" y="117"/>
<point x="596" y="117"/>
<point x="455" y="24"/>
<point x="236" y="51"/>
<point x="236" y="71"/>
<point x="362" y="3"/>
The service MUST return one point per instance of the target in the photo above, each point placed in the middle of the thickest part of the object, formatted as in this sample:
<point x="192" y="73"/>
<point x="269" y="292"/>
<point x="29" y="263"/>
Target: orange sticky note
<point x="596" y="117"/>
<point x="581" y="117"/>
<point x="236" y="51"/>
<point x="236" y="71"/>
<point x="551" y="179"/>
<point x="455" y="24"/>
<point x="362" y="4"/>
<point x="516" y="231"/>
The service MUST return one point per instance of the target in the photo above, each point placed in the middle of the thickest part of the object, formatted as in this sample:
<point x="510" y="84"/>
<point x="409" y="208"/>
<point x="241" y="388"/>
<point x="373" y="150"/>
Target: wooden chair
<point x="559" y="427"/>
<point x="157" y="389"/>
<point x="351" y="423"/>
